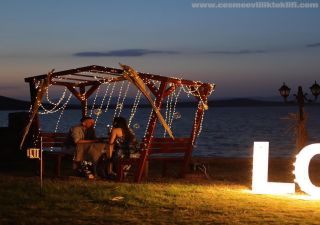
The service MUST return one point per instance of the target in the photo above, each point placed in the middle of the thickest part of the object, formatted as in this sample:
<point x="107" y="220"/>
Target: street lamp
<point x="300" y="96"/>
<point x="315" y="90"/>
<point x="284" y="91"/>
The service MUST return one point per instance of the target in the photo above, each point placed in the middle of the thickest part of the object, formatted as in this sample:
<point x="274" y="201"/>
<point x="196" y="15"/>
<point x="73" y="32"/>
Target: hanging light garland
<point x="120" y="101"/>
<point x="175" y="106"/>
<point x="55" y="105"/>
<point x="95" y="99"/>
<point x="196" y="123"/>
<point x="62" y="111"/>
<point x="148" y="123"/>
<point x="171" y="112"/>
<point x="110" y="97"/>
<point x="101" y="105"/>
<point x="168" y="111"/>
<point x="134" y="107"/>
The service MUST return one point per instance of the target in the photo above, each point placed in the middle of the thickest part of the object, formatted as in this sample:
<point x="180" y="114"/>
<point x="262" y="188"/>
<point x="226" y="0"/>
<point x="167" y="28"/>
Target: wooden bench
<point x="52" y="144"/>
<point x="165" y="150"/>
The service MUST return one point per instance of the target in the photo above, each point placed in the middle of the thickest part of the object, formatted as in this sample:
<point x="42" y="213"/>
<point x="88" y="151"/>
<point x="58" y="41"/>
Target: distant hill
<point x="242" y="102"/>
<point x="7" y="103"/>
<point x="13" y="104"/>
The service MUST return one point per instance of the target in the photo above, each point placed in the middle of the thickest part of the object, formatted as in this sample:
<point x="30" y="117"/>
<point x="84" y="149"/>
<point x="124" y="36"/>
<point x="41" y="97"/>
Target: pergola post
<point x="161" y="93"/>
<point x="35" y="127"/>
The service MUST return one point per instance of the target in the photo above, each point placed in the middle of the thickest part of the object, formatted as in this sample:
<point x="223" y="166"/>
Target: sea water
<point x="226" y="131"/>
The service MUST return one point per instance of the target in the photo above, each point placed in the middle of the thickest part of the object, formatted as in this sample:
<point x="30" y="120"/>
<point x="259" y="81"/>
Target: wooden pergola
<point x="84" y="81"/>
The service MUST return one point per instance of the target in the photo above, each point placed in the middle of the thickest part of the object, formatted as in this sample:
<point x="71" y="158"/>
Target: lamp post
<point x="300" y="96"/>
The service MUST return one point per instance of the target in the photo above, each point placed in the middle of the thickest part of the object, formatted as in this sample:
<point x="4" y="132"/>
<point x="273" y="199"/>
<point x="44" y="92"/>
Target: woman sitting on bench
<point x="121" y="144"/>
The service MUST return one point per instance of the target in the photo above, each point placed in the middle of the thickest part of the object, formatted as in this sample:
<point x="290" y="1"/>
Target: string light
<point x="135" y="106"/>
<point x="148" y="123"/>
<point x="110" y="97"/>
<point x="196" y="122"/>
<point x="168" y="112"/>
<point x="95" y="99"/>
<point x="166" y="117"/>
<point x="171" y="112"/>
<point x="54" y="109"/>
<point x="61" y="98"/>
<point x="118" y="100"/>
<point x="121" y="104"/>
<point x="101" y="105"/>
<point x="85" y="106"/>
<point x="62" y="111"/>
<point x="175" y="105"/>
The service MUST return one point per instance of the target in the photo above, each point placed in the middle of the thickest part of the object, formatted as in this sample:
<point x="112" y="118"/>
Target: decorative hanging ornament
<point x="119" y="106"/>
<point x="97" y="112"/>
<point x="176" y="115"/>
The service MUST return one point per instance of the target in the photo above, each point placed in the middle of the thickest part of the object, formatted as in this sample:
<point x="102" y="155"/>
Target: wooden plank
<point x="58" y="134"/>
<point x="172" y="159"/>
<point x="181" y="139"/>
<point x="116" y="72"/>
<point x="169" y="145"/>
<point x="167" y="150"/>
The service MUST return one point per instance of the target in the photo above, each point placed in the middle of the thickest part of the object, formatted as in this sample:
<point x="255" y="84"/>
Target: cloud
<point x="237" y="52"/>
<point x="123" y="53"/>
<point x="313" y="45"/>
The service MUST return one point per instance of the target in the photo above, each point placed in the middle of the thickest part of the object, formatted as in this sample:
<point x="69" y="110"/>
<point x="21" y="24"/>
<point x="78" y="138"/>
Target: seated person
<point x="121" y="143"/>
<point x="82" y="141"/>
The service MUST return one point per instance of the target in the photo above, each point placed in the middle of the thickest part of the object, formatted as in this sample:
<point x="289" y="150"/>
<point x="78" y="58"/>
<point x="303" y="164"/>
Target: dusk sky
<point x="245" y="52"/>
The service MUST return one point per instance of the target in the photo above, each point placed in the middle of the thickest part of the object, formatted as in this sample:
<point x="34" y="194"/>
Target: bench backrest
<point x="168" y="145"/>
<point x="53" y="139"/>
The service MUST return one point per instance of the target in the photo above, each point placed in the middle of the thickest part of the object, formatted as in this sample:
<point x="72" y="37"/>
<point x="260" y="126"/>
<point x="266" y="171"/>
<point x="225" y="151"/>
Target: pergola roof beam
<point x="114" y="72"/>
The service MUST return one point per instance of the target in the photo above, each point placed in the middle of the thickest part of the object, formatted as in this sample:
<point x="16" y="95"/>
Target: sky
<point x="245" y="52"/>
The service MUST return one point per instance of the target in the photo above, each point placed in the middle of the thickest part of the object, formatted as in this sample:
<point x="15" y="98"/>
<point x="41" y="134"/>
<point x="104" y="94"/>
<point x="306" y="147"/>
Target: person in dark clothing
<point x="121" y="143"/>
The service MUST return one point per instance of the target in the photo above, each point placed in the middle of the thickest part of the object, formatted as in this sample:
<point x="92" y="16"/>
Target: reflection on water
<point x="227" y="131"/>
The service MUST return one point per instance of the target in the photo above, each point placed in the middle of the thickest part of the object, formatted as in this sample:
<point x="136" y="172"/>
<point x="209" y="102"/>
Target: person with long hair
<point x="121" y="142"/>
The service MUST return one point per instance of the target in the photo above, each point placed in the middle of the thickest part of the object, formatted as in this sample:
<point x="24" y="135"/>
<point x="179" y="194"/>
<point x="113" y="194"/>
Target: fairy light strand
<point x="110" y="97"/>
<point x="102" y="101"/>
<point x="54" y="109"/>
<point x="62" y="111"/>
<point x="121" y="106"/>
<point x="95" y="99"/>
<point x="175" y="105"/>
<point x="118" y="100"/>
<point x="135" y="106"/>
<point x="61" y="98"/>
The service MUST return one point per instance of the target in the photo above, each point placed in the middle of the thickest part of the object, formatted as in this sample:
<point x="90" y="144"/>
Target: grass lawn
<point x="224" y="199"/>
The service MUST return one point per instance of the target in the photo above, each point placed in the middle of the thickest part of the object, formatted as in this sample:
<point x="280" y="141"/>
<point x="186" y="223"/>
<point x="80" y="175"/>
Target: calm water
<point x="227" y="131"/>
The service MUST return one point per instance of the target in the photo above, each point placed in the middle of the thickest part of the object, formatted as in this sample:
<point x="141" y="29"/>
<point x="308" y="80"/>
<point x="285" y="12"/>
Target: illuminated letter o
<point x="302" y="169"/>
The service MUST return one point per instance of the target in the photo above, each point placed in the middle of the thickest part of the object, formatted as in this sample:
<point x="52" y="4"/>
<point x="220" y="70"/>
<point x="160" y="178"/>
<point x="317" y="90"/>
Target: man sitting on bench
<point x="83" y="142"/>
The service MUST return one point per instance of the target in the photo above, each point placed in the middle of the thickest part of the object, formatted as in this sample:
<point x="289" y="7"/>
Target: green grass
<point x="79" y="201"/>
